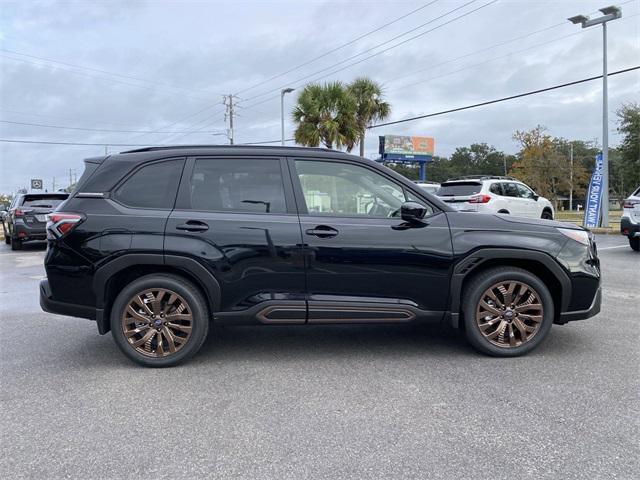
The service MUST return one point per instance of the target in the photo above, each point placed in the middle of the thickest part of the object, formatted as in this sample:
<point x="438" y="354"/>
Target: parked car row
<point x="26" y="218"/>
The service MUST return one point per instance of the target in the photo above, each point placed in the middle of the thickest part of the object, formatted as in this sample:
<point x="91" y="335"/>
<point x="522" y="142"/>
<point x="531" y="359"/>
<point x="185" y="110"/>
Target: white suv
<point x="630" y="220"/>
<point x="488" y="194"/>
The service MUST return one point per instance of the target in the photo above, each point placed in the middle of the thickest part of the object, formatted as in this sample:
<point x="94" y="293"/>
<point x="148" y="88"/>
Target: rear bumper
<point x="49" y="305"/>
<point x="27" y="232"/>
<point x="593" y="310"/>
<point x="628" y="228"/>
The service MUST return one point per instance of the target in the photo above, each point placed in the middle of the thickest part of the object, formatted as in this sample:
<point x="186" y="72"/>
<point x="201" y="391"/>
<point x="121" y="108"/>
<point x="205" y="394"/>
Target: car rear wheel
<point x="16" y="244"/>
<point x="507" y="311"/>
<point x="159" y="320"/>
<point x="547" y="215"/>
<point x="635" y="243"/>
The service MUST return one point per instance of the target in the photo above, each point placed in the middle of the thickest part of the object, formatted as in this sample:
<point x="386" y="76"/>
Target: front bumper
<point x="628" y="228"/>
<point x="593" y="310"/>
<point x="49" y="305"/>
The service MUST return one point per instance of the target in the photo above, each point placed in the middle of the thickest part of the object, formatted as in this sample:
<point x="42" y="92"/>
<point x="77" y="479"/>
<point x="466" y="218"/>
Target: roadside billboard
<point x="406" y="148"/>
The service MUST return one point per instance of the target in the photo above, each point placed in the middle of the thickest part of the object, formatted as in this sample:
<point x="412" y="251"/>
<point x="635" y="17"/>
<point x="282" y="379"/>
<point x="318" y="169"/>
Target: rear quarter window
<point x="152" y="186"/>
<point x="459" y="189"/>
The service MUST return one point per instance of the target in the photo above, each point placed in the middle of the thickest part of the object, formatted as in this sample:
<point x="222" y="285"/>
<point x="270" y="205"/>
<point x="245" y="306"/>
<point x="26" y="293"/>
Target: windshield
<point x="459" y="189"/>
<point x="43" y="201"/>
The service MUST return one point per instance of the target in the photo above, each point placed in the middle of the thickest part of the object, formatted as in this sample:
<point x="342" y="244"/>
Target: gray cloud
<point x="192" y="52"/>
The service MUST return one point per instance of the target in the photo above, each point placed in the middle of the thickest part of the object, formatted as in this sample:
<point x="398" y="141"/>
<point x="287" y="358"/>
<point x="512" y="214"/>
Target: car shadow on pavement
<point x="229" y="344"/>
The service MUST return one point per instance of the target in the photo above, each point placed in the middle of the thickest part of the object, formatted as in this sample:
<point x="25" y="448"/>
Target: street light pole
<point x="282" y="94"/>
<point x="610" y="13"/>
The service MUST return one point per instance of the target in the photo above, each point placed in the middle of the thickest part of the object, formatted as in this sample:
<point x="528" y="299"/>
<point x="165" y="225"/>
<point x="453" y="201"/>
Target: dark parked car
<point x="26" y="219"/>
<point x="156" y="243"/>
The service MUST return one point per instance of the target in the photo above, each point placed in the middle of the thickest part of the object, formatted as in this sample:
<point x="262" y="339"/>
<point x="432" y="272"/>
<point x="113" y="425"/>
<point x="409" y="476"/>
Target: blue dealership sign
<point x="594" y="196"/>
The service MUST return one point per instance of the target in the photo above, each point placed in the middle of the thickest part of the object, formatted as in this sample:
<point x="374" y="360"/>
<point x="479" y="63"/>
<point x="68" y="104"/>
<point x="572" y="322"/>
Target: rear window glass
<point x="43" y="201"/>
<point x="152" y="186"/>
<point x="459" y="189"/>
<point x="238" y="185"/>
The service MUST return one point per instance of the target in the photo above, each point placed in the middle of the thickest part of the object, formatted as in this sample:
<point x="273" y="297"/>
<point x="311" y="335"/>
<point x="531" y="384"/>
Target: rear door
<point x="236" y="217"/>
<point x="512" y="197"/>
<point x="364" y="262"/>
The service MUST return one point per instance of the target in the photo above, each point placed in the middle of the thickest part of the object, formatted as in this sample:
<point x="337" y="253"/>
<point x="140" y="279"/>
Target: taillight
<point x="630" y="203"/>
<point x="60" y="224"/>
<point x="480" y="199"/>
<point x="20" y="212"/>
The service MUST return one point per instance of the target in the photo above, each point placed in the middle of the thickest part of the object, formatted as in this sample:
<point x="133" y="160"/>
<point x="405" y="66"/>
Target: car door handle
<point x="322" y="231"/>
<point x="193" y="226"/>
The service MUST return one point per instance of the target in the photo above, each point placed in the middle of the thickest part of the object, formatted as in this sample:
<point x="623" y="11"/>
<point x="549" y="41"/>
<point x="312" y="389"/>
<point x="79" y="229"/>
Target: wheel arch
<point x="538" y="263"/>
<point x="110" y="279"/>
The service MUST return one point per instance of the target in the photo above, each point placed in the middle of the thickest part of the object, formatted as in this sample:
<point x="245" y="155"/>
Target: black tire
<point x="7" y="238"/>
<point x="634" y="243"/>
<point x="547" y="215"/>
<point x="196" y="304"/>
<point x="504" y="212"/>
<point x="476" y="288"/>
<point x="16" y="244"/>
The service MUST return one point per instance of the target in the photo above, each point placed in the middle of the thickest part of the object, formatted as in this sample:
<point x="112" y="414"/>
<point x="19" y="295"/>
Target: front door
<point x="364" y="263"/>
<point x="236" y="216"/>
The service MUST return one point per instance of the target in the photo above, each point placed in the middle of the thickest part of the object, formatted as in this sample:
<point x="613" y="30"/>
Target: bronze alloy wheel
<point x="509" y="314"/>
<point x="157" y="322"/>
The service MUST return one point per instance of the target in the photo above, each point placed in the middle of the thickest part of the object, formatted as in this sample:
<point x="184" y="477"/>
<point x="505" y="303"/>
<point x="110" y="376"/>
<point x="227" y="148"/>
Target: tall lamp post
<point x="282" y="94"/>
<point x="610" y="13"/>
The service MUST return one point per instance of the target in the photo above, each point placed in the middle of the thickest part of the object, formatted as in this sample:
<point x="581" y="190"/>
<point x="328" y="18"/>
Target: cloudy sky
<point x="114" y="70"/>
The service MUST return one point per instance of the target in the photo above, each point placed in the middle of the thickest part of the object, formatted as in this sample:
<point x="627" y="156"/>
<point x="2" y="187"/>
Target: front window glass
<point x="332" y="188"/>
<point x="524" y="192"/>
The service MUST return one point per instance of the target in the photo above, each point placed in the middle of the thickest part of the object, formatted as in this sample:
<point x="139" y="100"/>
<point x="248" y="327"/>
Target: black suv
<point x="156" y="243"/>
<point x="26" y="218"/>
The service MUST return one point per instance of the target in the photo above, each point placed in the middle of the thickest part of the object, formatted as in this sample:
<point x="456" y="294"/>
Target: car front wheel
<point x="507" y="311"/>
<point x="159" y="320"/>
<point x="635" y="243"/>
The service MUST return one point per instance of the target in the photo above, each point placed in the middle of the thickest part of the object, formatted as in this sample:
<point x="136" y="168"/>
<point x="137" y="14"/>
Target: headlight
<point x="581" y="236"/>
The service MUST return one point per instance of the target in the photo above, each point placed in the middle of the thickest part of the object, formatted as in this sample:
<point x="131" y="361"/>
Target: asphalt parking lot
<point x="320" y="402"/>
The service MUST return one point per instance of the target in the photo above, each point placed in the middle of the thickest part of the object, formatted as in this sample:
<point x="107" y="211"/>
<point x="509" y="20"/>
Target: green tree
<point x="626" y="165"/>
<point x="325" y="114"/>
<point x="539" y="163"/>
<point x="369" y="106"/>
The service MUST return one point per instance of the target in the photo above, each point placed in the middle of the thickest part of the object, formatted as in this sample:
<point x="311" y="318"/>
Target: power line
<point x="65" y="127"/>
<point x="98" y="70"/>
<point x="333" y="50"/>
<point x="503" y="99"/>
<point x="476" y="105"/>
<point x="378" y="46"/>
<point x="46" y="142"/>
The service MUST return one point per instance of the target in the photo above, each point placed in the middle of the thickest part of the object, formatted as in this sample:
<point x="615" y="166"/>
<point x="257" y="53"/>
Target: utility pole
<point x="70" y="177"/>
<point x="229" y="113"/>
<point x="571" y="178"/>
<point x="53" y="187"/>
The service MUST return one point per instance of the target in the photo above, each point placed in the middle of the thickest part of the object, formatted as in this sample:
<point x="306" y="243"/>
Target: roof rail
<point x="483" y="177"/>
<point x="184" y="147"/>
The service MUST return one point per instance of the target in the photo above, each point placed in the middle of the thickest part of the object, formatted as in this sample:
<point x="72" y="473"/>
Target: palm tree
<point x="325" y="114"/>
<point x="370" y="107"/>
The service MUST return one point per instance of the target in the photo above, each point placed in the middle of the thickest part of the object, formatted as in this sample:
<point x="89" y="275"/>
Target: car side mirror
<point x="412" y="212"/>
<point x="536" y="197"/>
